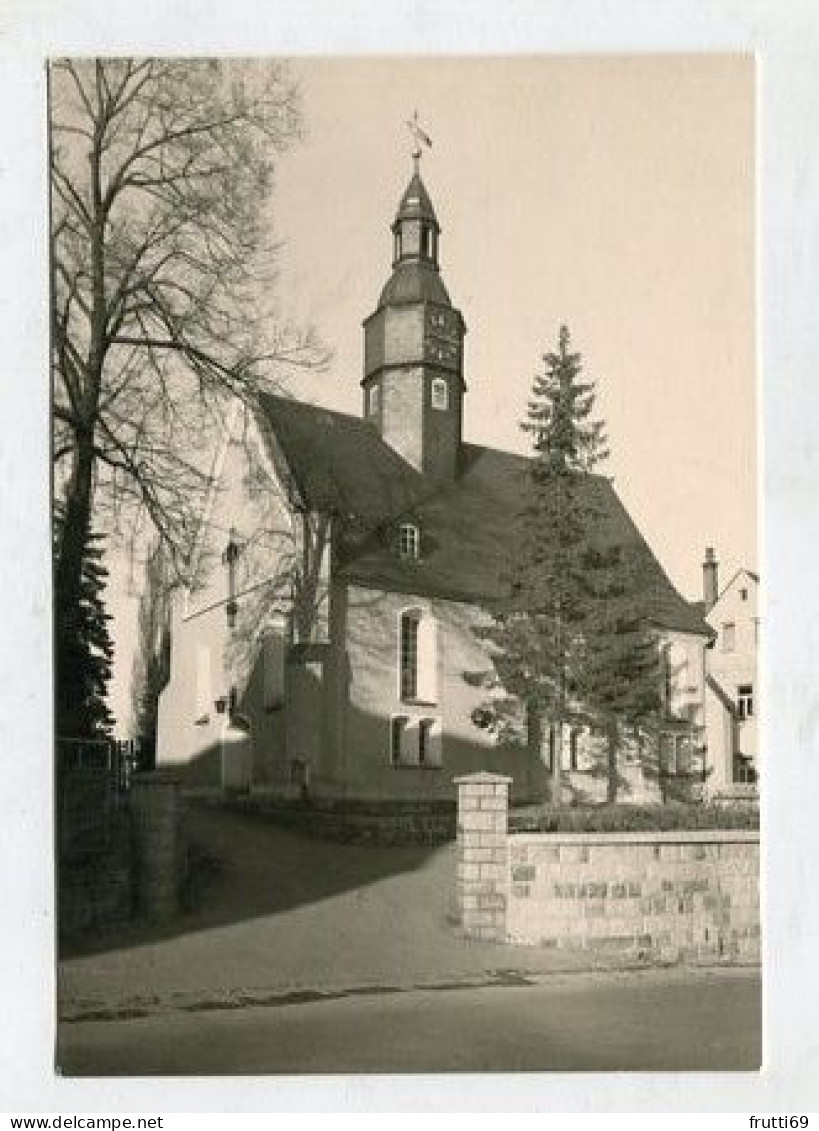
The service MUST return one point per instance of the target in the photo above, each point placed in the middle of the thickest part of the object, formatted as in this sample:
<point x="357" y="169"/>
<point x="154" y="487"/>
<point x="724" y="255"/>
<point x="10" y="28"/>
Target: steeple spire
<point x="420" y="138"/>
<point x="413" y="342"/>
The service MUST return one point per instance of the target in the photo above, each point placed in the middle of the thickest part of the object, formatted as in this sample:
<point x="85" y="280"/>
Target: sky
<point x="614" y="194"/>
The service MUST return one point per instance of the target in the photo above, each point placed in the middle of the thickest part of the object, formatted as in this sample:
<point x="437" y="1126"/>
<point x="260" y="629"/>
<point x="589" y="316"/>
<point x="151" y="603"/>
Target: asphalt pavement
<point x="705" y="1020"/>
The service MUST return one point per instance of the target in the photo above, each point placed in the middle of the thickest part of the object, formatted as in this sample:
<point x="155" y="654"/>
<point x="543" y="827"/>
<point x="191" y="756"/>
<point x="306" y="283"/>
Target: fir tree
<point x="538" y="629"/>
<point x="84" y="652"/>
<point x="620" y="676"/>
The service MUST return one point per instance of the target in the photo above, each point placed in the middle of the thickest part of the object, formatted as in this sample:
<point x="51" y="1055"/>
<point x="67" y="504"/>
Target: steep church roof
<point x="340" y="464"/>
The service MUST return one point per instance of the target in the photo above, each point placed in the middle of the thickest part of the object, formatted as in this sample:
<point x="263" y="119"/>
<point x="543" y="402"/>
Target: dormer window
<point x="409" y="540"/>
<point x="440" y="393"/>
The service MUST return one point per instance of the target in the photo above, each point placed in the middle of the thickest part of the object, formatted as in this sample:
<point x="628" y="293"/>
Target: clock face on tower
<point x="442" y="338"/>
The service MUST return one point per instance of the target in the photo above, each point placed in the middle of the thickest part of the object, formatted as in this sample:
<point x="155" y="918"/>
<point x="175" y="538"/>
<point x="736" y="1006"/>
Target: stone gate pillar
<point x="482" y="879"/>
<point x="156" y="821"/>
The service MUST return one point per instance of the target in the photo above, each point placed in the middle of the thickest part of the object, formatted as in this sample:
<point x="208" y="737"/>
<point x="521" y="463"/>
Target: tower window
<point x="408" y="541"/>
<point x="373" y="400"/>
<point x="729" y="637"/>
<point x="440" y="393"/>
<point x="426" y="243"/>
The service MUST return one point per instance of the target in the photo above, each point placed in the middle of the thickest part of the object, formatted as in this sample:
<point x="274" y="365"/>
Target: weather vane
<point x="419" y="137"/>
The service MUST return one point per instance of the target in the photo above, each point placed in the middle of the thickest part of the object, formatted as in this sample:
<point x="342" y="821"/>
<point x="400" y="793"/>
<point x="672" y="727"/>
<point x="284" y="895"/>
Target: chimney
<point x="710" y="581"/>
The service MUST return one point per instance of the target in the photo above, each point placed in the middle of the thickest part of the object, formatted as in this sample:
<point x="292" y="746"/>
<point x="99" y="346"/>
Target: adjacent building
<point x="731" y="697"/>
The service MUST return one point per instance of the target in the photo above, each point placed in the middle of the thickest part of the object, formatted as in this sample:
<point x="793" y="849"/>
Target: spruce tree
<point x="538" y="627"/>
<point x="570" y="639"/>
<point x="84" y="652"/>
<point x="619" y="676"/>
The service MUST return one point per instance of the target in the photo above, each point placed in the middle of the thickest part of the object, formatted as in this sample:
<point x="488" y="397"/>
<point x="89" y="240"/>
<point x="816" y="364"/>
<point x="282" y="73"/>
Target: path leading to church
<point x="279" y="913"/>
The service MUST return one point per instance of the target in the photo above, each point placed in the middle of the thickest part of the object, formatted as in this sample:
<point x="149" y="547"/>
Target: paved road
<point x="652" y="1020"/>
<point x="279" y="910"/>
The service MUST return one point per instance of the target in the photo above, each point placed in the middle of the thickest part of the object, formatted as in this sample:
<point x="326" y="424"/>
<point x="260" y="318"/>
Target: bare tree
<point x="162" y="272"/>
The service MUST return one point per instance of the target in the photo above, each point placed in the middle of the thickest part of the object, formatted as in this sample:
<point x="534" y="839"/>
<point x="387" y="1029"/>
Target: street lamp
<point x="231" y="553"/>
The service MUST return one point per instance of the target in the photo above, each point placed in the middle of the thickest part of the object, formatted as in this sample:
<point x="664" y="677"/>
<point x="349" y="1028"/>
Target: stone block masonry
<point x="482" y="877"/>
<point x="673" y="896"/>
<point x="669" y="896"/>
<point x="155" y="808"/>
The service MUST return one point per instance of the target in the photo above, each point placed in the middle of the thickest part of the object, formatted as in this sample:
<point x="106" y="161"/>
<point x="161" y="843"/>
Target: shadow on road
<point x="244" y="867"/>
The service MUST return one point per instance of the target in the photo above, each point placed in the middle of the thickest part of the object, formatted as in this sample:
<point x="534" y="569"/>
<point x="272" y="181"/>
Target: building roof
<point x="414" y="280"/>
<point x="340" y="464"/>
<point x="415" y="204"/>
<point x="743" y="571"/>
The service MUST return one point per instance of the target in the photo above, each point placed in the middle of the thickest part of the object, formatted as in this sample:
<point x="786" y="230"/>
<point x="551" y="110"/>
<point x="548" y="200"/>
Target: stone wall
<point x="670" y="896"/>
<point x="159" y="845"/>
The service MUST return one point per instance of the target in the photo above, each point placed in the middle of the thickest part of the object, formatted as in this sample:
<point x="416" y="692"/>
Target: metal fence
<point x="93" y="780"/>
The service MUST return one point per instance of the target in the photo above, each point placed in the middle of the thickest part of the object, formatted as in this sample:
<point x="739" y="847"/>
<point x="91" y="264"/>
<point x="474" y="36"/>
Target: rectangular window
<point x="683" y="745"/>
<point x="372" y="400"/>
<point x="574" y="737"/>
<point x="408" y="541"/>
<point x="550" y="758"/>
<point x="398" y="729"/>
<point x="729" y="637"/>
<point x="668" y="754"/>
<point x="745" y="701"/>
<point x="424" y="741"/>
<point x="676" y="754"/>
<point x="440" y="393"/>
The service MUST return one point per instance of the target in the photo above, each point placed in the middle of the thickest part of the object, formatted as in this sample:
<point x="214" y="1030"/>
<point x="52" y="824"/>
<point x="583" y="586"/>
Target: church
<point x="330" y="646"/>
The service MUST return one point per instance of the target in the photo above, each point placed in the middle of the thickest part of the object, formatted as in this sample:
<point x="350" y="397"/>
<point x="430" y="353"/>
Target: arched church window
<point x="440" y="393"/>
<point x="426" y="243"/>
<point x="408" y="542"/>
<point x="418" y="657"/>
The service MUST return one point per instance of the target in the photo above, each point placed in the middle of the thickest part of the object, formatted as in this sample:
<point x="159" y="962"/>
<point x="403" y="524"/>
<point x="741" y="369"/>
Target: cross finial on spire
<point x="419" y="137"/>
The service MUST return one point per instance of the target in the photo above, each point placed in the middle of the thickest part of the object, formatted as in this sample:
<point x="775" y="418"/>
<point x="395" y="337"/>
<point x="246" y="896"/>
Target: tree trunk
<point x="612" y="751"/>
<point x="557" y="763"/>
<point x="75" y="529"/>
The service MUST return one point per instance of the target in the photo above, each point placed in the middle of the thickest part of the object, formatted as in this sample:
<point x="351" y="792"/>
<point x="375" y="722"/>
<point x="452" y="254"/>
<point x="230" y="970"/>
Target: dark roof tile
<point x="340" y="464"/>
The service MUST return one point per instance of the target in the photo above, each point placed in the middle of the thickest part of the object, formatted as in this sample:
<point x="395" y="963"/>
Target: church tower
<point x="413" y="347"/>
